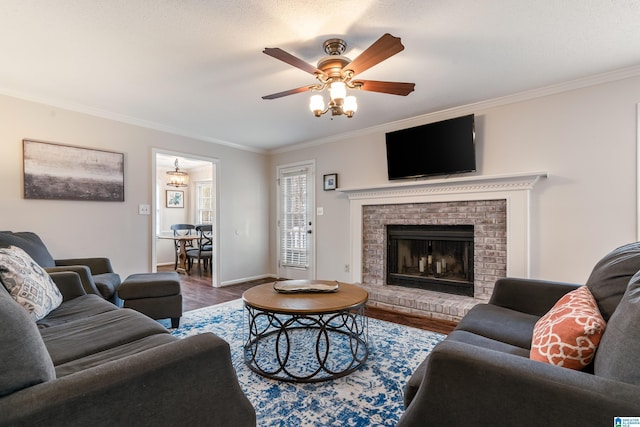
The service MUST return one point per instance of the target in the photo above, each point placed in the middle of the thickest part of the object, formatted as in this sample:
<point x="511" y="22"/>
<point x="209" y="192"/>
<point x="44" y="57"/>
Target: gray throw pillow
<point x="25" y="360"/>
<point x="610" y="276"/>
<point x="28" y="283"/>
<point x="617" y="356"/>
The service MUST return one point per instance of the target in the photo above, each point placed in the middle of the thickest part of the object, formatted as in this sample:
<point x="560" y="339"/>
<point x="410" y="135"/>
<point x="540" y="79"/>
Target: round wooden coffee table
<point x="306" y="336"/>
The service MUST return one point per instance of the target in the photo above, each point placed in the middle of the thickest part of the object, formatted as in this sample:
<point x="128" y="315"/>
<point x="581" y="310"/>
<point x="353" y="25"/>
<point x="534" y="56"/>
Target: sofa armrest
<point x="85" y="276"/>
<point x="473" y="386"/>
<point x="96" y="265"/>
<point x="529" y="296"/>
<point x="69" y="284"/>
<point x="187" y="382"/>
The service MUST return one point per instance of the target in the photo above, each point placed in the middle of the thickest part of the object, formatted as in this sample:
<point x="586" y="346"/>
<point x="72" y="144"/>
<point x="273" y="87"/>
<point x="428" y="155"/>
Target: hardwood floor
<point x="197" y="292"/>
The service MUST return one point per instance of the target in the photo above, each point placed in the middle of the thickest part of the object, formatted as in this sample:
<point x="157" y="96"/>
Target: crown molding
<point x="122" y="118"/>
<point x="386" y="127"/>
<point x="462" y="110"/>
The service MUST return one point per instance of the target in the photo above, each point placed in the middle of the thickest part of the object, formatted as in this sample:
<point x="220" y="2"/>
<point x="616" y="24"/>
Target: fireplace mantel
<point x="514" y="188"/>
<point x="461" y="184"/>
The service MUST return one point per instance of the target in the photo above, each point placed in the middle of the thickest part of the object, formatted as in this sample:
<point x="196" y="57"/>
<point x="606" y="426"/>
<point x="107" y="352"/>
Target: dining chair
<point x="181" y="230"/>
<point x="204" y="251"/>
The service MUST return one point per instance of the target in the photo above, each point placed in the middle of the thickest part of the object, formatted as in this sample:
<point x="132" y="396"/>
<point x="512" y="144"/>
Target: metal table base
<point x="305" y="347"/>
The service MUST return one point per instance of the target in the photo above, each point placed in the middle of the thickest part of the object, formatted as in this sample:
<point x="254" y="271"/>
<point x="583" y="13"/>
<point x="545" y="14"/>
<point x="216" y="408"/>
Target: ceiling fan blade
<point x="385" y="47"/>
<point x="393" y="88"/>
<point x="283" y="56"/>
<point x="288" y="92"/>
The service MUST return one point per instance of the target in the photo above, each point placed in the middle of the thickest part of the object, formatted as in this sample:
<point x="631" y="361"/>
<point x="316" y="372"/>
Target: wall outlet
<point x="144" y="209"/>
<point x="346" y="268"/>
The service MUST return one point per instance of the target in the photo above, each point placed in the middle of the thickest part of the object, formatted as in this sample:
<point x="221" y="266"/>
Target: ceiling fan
<point x="337" y="73"/>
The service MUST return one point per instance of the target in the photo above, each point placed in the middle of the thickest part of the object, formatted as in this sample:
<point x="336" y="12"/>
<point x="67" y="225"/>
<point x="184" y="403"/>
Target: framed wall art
<point x="175" y="199"/>
<point x="330" y="181"/>
<point x="63" y="172"/>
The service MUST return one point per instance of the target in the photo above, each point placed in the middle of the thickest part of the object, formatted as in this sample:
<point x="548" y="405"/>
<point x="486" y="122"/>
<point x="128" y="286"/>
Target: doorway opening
<point x="193" y="202"/>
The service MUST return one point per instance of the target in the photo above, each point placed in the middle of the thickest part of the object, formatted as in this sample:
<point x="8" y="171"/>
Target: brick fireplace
<point x="496" y="206"/>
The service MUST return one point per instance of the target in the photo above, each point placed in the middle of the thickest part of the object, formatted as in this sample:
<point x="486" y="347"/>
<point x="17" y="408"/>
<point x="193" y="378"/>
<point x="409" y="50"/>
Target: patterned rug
<point x="371" y="396"/>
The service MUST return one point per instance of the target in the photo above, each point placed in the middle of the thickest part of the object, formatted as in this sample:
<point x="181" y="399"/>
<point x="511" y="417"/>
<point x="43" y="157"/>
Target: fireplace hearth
<point x="431" y="257"/>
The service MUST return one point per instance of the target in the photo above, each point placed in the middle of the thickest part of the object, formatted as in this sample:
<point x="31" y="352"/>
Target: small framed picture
<point x="175" y="199"/>
<point x="330" y="181"/>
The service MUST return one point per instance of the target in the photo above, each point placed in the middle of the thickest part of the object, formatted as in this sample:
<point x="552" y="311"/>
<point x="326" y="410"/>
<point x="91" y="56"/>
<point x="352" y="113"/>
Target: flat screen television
<point x="441" y="148"/>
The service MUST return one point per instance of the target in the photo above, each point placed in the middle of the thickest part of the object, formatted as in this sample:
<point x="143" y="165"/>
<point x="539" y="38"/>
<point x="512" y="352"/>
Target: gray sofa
<point x="481" y="374"/>
<point x="90" y="363"/>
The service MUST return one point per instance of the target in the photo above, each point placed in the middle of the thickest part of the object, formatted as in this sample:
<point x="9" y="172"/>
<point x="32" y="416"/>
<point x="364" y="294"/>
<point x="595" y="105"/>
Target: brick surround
<point x="489" y="218"/>
<point x="497" y="205"/>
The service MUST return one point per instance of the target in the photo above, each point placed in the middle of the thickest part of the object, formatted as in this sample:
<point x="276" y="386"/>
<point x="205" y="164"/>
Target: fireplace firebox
<point x="432" y="257"/>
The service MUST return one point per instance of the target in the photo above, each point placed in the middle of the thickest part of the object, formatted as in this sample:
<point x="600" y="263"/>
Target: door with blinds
<point x="296" y="254"/>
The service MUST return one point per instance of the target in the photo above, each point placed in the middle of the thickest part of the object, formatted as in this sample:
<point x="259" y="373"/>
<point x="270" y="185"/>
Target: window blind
<point x="294" y="219"/>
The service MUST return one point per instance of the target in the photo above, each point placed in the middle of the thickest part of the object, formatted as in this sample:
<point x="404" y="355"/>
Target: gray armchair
<point x="96" y="274"/>
<point x="481" y="374"/>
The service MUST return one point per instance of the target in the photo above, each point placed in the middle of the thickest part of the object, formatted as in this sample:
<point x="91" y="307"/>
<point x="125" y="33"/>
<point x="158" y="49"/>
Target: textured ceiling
<point x="196" y="67"/>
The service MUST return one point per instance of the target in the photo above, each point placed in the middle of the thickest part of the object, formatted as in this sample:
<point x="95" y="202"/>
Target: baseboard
<point x="247" y="279"/>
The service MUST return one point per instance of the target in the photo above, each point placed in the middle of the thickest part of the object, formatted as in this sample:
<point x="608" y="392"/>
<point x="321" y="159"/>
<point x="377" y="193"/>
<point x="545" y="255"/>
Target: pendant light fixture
<point x="177" y="178"/>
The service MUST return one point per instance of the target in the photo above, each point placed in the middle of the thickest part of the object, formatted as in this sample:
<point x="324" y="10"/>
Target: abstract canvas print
<point x="62" y="172"/>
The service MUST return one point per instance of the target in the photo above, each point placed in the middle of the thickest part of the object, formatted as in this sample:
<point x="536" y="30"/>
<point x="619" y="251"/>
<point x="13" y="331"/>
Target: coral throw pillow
<point x="568" y="335"/>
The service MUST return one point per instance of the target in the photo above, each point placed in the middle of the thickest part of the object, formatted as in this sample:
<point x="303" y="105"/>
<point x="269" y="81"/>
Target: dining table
<point x="182" y="253"/>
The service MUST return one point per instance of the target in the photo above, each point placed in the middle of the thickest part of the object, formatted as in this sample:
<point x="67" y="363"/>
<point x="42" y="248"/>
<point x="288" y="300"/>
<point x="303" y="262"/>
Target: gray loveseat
<point x="90" y="363"/>
<point x="481" y="374"/>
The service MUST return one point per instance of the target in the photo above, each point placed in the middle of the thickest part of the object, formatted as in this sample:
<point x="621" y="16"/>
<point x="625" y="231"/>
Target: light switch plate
<point x="144" y="209"/>
<point x="320" y="211"/>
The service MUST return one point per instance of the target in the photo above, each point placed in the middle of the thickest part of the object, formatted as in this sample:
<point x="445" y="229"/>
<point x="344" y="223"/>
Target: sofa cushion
<point x="411" y="388"/>
<point x="568" y="335"/>
<point x="113" y="353"/>
<point x="77" y="308"/>
<point x="31" y="244"/>
<point x="500" y="324"/>
<point x="28" y="283"/>
<point x="25" y="360"/>
<point x="488" y="343"/>
<point x="617" y="357"/>
<point x="610" y="276"/>
<point x="83" y="337"/>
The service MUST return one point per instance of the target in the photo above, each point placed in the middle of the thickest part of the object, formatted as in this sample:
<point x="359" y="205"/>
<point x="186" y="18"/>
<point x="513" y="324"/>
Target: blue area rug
<point x="370" y="396"/>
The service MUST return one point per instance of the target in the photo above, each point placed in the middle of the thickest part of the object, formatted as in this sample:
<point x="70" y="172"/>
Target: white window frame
<point x="200" y="186"/>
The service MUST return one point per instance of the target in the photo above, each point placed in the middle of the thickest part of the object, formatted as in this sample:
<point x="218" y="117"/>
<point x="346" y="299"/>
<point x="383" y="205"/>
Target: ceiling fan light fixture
<point x="336" y="72"/>
<point x="350" y="106"/>
<point x="316" y="105"/>
<point x="337" y="91"/>
<point x="177" y="178"/>
<point x="339" y="106"/>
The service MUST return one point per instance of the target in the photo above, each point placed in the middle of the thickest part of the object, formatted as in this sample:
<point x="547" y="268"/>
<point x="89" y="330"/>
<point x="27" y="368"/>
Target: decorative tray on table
<point x="305" y="286"/>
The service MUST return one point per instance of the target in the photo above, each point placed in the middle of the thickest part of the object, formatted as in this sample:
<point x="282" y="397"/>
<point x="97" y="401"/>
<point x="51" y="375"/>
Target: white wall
<point x="114" y="229"/>
<point x="585" y="138"/>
